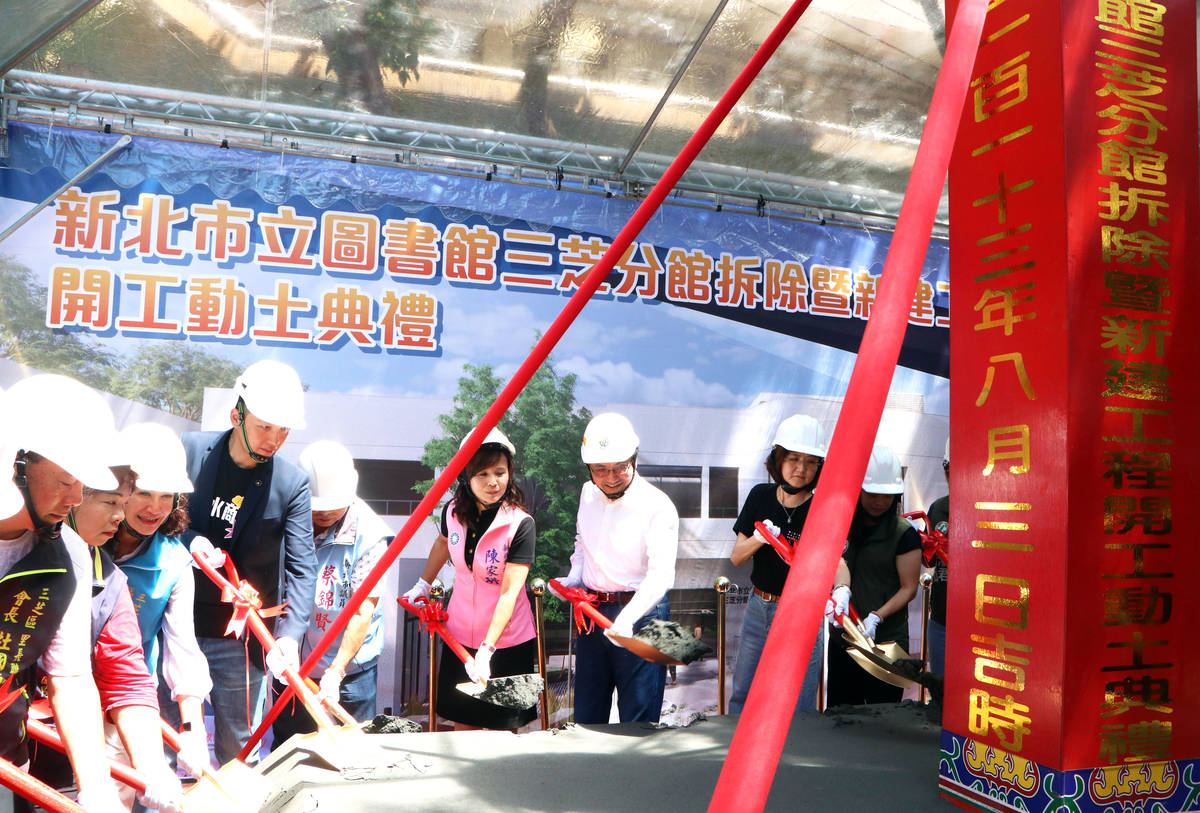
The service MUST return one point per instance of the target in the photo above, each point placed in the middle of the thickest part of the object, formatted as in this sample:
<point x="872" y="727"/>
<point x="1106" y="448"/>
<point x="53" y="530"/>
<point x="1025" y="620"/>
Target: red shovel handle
<point x="584" y="602"/>
<point x="48" y="736"/>
<point x="782" y="548"/>
<point x="259" y="628"/>
<point x="432" y="615"/>
<point x="35" y="790"/>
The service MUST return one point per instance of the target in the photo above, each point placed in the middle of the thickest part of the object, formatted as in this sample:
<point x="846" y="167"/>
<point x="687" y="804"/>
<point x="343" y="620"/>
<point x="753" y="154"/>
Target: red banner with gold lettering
<point x="1072" y="387"/>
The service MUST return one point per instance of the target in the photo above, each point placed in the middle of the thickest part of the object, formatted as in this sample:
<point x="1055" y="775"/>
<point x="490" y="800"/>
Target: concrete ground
<point x="880" y="758"/>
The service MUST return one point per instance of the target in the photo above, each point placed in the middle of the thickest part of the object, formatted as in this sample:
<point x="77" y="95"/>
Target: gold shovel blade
<point x="233" y="786"/>
<point x="878" y="660"/>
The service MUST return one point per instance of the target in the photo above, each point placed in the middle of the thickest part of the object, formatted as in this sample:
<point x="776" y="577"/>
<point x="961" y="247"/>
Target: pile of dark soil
<point x="513" y="691"/>
<point x="390" y="724"/>
<point x="673" y="640"/>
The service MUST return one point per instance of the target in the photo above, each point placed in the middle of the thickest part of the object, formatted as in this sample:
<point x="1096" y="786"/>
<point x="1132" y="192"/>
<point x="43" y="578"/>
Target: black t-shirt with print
<point x="768" y="572"/>
<point x="229" y="491"/>
<point x="520" y="552"/>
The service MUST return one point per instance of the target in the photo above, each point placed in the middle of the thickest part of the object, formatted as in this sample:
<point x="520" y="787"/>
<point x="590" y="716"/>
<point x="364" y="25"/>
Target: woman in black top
<point x="883" y="555"/>
<point x="794" y="463"/>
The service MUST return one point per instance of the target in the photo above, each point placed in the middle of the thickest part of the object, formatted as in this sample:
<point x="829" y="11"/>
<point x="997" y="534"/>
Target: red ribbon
<point x="244" y="598"/>
<point x="7" y="696"/>
<point x="934" y="543"/>
<point x="577" y="597"/>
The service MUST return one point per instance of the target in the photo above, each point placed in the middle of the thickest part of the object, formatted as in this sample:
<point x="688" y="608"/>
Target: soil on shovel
<point x="672" y="640"/>
<point x="513" y="691"/>
<point x="389" y="724"/>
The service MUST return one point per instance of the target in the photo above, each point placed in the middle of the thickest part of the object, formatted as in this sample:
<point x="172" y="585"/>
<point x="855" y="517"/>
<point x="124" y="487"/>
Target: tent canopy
<point x="597" y="95"/>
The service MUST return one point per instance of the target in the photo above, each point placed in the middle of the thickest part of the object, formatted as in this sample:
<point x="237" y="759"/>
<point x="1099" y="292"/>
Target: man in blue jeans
<point x="626" y="538"/>
<point x="350" y="540"/>
<point x="254" y="507"/>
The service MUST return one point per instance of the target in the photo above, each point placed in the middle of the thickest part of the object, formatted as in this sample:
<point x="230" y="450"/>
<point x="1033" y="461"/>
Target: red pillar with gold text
<point x="1071" y="669"/>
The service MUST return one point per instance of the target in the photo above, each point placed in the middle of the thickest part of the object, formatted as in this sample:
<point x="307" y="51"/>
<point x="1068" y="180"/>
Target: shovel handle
<point x="433" y="623"/>
<point x="259" y="628"/>
<point x="333" y="706"/>
<point x="782" y="548"/>
<point x="35" y="790"/>
<point x="48" y="736"/>
<point x="582" y="601"/>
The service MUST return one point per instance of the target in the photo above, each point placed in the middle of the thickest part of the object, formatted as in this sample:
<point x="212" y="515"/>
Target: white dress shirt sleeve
<point x="662" y="546"/>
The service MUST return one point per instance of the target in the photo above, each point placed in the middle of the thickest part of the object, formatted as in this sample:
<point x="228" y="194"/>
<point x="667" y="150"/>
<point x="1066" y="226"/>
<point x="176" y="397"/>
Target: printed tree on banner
<point x="167" y="375"/>
<point x="171" y="376"/>
<point x="25" y="339"/>
<point x="546" y="428"/>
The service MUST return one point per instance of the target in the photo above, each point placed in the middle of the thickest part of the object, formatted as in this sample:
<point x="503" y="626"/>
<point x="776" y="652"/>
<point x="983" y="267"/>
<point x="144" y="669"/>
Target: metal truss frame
<point x="343" y="135"/>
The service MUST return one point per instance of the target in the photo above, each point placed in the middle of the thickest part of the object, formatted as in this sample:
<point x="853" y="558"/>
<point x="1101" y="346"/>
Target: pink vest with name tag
<point x="477" y="588"/>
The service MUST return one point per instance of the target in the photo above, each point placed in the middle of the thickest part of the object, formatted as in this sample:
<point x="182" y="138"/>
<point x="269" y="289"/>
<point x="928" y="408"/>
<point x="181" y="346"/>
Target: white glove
<point x="193" y="753"/>
<point x="213" y="557"/>
<point x="870" y="624"/>
<point x="565" y="581"/>
<point x="831" y="616"/>
<point x="283" y="657"/>
<point x="418" y="590"/>
<point x="479" y="668"/>
<point x="620" y="627"/>
<point x="331" y="684"/>
<point x="841" y="599"/>
<point x="103" y="799"/>
<point x="770" y="526"/>
<point x="163" y="791"/>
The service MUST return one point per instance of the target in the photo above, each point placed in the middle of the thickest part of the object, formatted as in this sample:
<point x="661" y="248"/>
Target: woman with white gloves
<point x="794" y="465"/>
<point x="159" y="569"/>
<point x="489" y="536"/>
<point x="883" y="558"/>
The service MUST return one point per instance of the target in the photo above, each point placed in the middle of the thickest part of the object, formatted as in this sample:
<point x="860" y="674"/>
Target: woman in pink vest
<point x="489" y="536"/>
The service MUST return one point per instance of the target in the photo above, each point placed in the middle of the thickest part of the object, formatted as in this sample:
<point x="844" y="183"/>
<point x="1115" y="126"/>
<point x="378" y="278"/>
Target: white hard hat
<point x="157" y="457"/>
<point x="494" y="436"/>
<point x="884" y="475"/>
<point x="803" y="434"/>
<point x="332" y="478"/>
<point x="273" y="392"/>
<point x="65" y="422"/>
<point x="946" y="457"/>
<point x="609" y="438"/>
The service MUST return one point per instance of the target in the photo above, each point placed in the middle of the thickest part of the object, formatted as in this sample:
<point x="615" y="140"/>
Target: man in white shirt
<point x="56" y="433"/>
<point x="626" y="538"/>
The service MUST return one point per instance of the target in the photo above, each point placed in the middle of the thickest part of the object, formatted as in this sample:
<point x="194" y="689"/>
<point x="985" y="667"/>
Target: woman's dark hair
<point x="774" y="464"/>
<point x="125" y="479"/>
<point x="861" y="519"/>
<point x="177" y="521"/>
<point x="466" y="510"/>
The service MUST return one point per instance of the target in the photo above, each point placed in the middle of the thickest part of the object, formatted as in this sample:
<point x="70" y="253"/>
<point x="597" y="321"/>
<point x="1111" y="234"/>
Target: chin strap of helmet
<point x="127" y="528"/>
<point x="621" y="493"/>
<point x="241" y="411"/>
<point x="794" y="490"/>
<point x="45" y="530"/>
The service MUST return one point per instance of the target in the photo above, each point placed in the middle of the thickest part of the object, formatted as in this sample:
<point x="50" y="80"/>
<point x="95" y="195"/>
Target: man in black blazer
<point x="254" y="507"/>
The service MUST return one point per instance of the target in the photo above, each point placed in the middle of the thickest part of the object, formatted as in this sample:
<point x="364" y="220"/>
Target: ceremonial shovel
<point x="879" y="659"/>
<point x="496" y="690"/>
<point x="340" y="743"/>
<point x="584" y="604"/>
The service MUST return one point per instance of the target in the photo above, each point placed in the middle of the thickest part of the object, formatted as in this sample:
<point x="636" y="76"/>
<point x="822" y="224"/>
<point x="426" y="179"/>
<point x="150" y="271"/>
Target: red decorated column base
<point x="975" y="776"/>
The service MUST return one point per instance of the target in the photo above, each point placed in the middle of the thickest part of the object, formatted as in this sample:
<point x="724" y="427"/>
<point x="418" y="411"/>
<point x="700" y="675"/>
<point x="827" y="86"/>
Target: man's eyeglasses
<point x="619" y="469"/>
